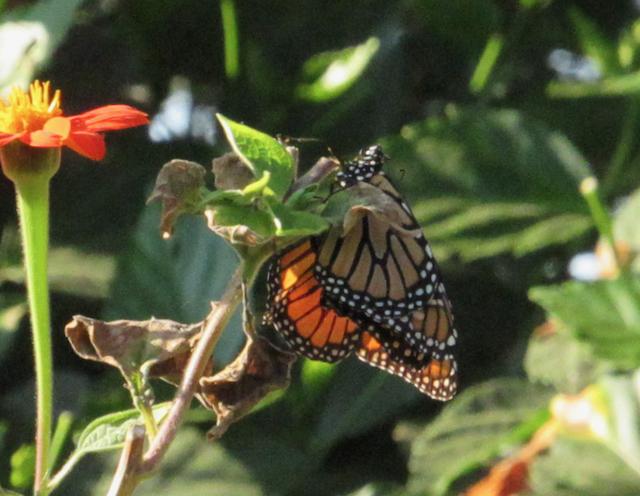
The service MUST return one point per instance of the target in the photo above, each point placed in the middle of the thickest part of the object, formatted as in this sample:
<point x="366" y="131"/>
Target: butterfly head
<point x="367" y="164"/>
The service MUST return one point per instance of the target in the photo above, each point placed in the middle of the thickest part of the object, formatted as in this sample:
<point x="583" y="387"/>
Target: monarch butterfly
<point x="371" y="286"/>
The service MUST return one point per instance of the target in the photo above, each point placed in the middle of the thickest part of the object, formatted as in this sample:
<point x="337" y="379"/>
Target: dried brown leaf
<point x="155" y="348"/>
<point x="258" y="370"/>
<point x="231" y="172"/>
<point x="178" y="187"/>
<point x="321" y="169"/>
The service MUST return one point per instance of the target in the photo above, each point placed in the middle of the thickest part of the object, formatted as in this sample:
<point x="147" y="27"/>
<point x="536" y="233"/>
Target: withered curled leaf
<point x="231" y="172"/>
<point x="321" y="169"/>
<point x="153" y="348"/>
<point x="258" y="370"/>
<point x="178" y="186"/>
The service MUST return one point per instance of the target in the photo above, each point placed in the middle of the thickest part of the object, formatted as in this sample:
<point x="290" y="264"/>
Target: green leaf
<point x="559" y="360"/>
<point x="594" y="42"/>
<point x="627" y="84"/>
<point x="577" y="467"/>
<point x="108" y="432"/>
<point x="259" y="221"/>
<point x="489" y="182"/>
<point x="359" y="399"/>
<point x="623" y="433"/>
<point x="604" y="314"/>
<point x="193" y="466"/>
<point x="261" y="153"/>
<point x="13" y="308"/>
<point x="72" y="272"/>
<point x="482" y="422"/>
<point x="35" y="32"/>
<point x="330" y="74"/>
<point x="6" y="492"/>
<point x="626" y="229"/>
<point x="315" y="377"/>
<point x="292" y="223"/>
<point x="175" y="278"/>
<point x="23" y="462"/>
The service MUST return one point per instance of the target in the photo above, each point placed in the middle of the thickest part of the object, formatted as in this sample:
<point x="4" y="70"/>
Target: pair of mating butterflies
<point x="372" y="287"/>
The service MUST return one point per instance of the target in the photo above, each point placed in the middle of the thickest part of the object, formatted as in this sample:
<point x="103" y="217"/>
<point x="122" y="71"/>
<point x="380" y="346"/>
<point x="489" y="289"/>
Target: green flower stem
<point x="33" y="210"/>
<point x="31" y="170"/>
<point x="601" y="218"/>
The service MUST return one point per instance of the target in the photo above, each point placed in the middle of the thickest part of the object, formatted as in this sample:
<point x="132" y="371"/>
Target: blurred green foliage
<point x="492" y="114"/>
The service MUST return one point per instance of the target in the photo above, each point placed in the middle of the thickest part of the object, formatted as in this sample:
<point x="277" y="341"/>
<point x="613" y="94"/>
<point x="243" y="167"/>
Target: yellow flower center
<point x="28" y="111"/>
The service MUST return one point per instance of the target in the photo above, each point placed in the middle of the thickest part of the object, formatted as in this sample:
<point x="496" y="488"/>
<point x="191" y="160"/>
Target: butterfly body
<point x="371" y="285"/>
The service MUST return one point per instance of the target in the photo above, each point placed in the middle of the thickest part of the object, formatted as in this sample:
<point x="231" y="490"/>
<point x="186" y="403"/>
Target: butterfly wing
<point x="435" y="377"/>
<point x="296" y="308"/>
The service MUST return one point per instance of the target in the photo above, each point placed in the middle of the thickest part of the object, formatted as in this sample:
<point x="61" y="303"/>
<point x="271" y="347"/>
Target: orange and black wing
<point x="379" y="270"/>
<point x="297" y="311"/>
<point x="381" y="264"/>
<point x="383" y="275"/>
<point x="435" y="377"/>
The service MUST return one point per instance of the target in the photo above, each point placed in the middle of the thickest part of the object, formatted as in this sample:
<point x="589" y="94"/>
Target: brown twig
<point x="127" y="476"/>
<point x="214" y="325"/>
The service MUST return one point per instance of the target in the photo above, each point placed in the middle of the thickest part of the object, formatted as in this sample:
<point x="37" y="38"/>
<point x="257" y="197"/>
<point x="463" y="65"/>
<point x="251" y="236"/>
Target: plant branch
<point x="214" y="325"/>
<point x="127" y="476"/>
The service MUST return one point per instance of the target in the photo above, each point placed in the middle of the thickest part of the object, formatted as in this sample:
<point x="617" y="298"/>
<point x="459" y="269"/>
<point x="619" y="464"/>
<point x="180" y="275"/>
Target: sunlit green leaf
<point x="23" y="462"/>
<point x="108" y="432"/>
<point x="604" y="314"/>
<point x="330" y="74"/>
<point x="261" y="153"/>
<point x="479" y="425"/>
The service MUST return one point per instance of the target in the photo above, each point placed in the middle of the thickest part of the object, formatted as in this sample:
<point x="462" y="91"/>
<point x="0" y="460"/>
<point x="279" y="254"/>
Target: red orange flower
<point x="37" y="120"/>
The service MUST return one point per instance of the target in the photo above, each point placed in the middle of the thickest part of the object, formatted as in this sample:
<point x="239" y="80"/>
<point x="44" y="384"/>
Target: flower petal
<point x="90" y="145"/>
<point x="112" y="117"/>
<point x="6" y="138"/>
<point x="42" y="139"/>
<point x="58" y="125"/>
